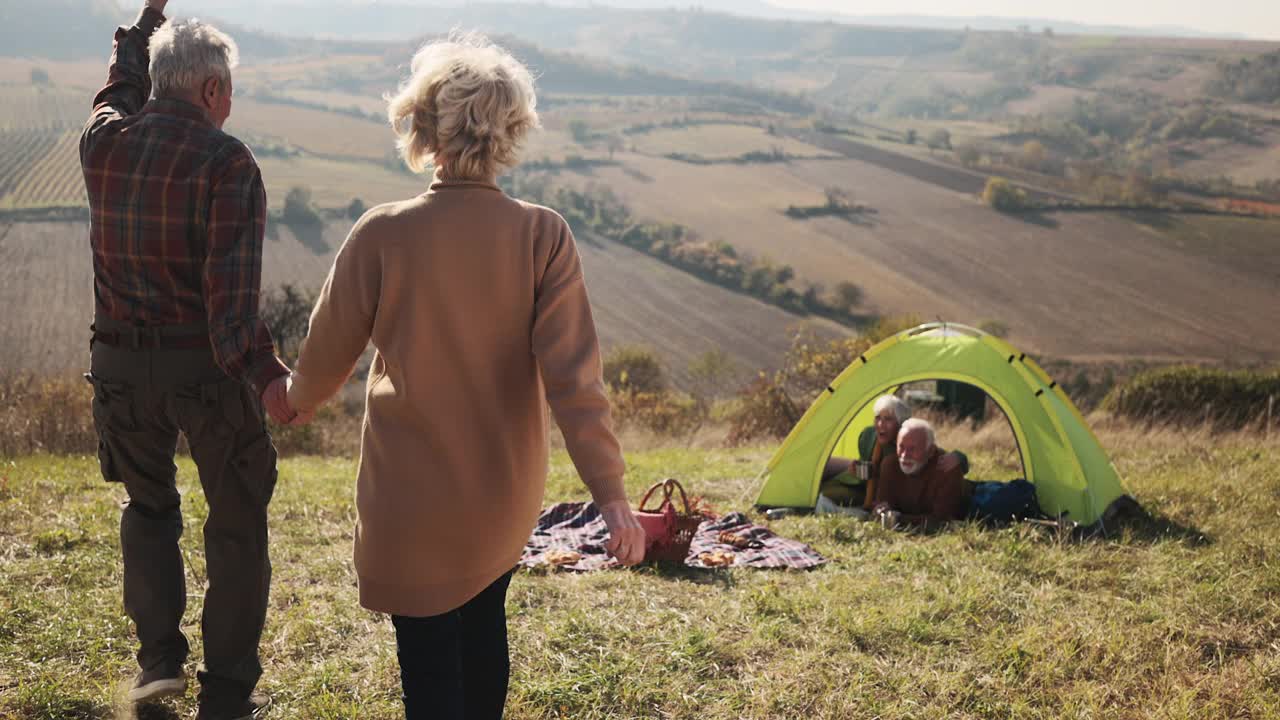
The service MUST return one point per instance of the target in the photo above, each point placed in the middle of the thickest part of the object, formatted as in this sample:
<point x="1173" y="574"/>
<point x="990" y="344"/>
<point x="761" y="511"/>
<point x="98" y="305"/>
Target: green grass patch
<point x="1175" y="618"/>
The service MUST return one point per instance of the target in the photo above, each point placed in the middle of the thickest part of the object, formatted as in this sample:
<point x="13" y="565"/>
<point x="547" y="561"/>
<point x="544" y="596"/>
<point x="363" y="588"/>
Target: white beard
<point x="910" y="468"/>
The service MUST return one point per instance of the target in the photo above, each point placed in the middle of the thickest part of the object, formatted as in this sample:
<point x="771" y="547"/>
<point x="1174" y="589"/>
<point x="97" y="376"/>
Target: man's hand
<point x="626" y="537"/>
<point x="889" y="519"/>
<point x="276" y="400"/>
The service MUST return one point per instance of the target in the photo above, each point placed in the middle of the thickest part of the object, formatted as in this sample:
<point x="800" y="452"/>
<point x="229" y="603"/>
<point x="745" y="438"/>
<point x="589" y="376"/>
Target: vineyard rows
<point x="40" y="169"/>
<point x="23" y="107"/>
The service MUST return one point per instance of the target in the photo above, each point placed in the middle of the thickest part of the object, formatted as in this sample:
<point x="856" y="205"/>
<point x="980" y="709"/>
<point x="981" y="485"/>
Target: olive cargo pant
<point x="142" y="398"/>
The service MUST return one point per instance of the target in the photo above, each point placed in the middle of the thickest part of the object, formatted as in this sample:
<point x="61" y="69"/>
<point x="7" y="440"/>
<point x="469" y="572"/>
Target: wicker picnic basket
<point x="668" y="528"/>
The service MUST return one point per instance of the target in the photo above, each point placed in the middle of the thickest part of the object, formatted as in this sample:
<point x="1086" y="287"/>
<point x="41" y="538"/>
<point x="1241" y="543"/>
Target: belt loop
<point x="135" y="337"/>
<point x="155" y="337"/>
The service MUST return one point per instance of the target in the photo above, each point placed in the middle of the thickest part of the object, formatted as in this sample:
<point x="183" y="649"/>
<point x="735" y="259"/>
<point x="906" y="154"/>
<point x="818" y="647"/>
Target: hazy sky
<point x="1255" y="18"/>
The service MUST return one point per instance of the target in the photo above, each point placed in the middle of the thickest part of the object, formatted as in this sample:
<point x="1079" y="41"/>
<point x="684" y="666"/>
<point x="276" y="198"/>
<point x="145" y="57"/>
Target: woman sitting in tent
<point x="841" y="487"/>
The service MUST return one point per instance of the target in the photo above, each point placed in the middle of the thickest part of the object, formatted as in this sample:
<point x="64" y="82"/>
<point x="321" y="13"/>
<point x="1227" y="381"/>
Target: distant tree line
<point x="1248" y="80"/>
<point x="598" y="211"/>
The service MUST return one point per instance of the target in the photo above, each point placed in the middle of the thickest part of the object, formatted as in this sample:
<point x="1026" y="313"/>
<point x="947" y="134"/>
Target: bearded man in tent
<point x="915" y="489"/>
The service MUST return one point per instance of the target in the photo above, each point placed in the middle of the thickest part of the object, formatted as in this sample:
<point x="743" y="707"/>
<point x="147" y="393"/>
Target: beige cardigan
<point x="475" y="302"/>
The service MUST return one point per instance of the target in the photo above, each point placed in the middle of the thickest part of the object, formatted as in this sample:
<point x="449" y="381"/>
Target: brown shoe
<point x="158" y="683"/>
<point x="251" y="709"/>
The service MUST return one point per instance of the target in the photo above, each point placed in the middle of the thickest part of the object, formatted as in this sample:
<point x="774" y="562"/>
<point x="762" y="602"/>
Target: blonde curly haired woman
<point x="476" y="305"/>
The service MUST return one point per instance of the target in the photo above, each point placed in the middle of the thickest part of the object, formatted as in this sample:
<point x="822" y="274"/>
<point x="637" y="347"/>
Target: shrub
<point x="298" y="208"/>
<point x="1222" y="399"/>
<point x="994" y="327"/>
<point x="664" y="413"/>
<point x="45" y="415"/>
<point x="355" y="209"/>
<point x="939" y="140"/>
<point x="772" y="404"/>
<point x="765" y="410"/>
<point x="287" y="312"/>
<point x="1002" y="195"/>
<point x="634" y="368"/>
<point x="710" y="374"/>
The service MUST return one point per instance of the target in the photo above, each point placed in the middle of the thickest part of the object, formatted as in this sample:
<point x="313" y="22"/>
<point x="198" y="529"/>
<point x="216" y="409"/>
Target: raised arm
<point x="128" y="82"/>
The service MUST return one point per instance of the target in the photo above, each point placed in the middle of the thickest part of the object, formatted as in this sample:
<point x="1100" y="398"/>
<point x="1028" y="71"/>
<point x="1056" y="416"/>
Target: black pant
<point x="142" y="400"/>
<point x="455" y="666"/>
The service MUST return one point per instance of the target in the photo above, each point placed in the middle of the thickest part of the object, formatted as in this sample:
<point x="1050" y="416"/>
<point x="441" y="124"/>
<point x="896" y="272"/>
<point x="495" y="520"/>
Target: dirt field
<point x="46" y="288"/>
<point x="317" y="131"/>
<point x="1072" y="285"/>
<point x="719" y="142"/>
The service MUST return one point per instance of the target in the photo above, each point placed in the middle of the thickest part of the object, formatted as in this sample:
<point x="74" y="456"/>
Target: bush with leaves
<point x="1222" y="399"/>
<point x="771" y="405"/>
<point x="1002" y="195"/>
<point x="634" y="368"/>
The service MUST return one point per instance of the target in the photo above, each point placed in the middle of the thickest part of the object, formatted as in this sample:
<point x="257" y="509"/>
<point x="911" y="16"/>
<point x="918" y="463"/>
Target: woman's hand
<point x="626" y="537"/>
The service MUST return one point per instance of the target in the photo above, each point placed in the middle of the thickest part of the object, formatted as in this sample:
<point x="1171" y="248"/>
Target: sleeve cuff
<point x="149" y="20"/>
<point x="264" y="371"/>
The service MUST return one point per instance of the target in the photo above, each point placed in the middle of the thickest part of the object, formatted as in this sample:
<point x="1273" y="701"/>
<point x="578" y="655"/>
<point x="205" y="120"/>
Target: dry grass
<point x="1175" y="618"/>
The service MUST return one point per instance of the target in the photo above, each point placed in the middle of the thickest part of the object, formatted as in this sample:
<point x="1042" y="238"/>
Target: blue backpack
<point x="1002" y="502"/>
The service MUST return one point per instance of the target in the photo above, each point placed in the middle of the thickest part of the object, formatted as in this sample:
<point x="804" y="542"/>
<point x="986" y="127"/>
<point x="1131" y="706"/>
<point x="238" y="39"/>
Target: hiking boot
<point x="158" y="683"/>
<point x="250" y="709"/>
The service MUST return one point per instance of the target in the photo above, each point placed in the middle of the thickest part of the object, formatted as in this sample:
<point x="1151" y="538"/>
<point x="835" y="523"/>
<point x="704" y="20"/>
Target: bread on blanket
<point x="562" y="556"/>
<point x="717" y="558"/>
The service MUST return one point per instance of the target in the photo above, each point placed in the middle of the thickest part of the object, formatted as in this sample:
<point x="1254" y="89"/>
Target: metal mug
<point x="862" y="469"/>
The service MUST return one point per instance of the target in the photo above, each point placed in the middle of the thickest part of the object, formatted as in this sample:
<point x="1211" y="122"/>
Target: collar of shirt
<point x="179" y="108"/>
<point x="440" y="182"/>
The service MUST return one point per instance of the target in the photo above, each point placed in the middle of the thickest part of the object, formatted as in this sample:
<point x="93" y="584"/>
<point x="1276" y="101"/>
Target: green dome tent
<point x="1060" y="454"/>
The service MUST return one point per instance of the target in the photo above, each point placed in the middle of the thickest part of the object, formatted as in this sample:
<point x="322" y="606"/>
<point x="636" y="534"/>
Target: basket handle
<point x="668" y="486"/>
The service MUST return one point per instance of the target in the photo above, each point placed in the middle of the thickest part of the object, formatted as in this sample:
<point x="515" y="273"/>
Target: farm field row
<point x="1069" y="285"/>
<point x="46" y="285"/>
<point x="40" y="169"/>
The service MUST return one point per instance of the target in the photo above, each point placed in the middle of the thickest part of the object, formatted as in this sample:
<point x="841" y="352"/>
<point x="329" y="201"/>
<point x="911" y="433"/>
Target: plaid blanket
<point x="577" y="527"/>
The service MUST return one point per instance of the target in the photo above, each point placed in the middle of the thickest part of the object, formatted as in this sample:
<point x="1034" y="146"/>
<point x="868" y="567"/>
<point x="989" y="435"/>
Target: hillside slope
<point x="1070" y="285"/>
<point x="46" y="288"/>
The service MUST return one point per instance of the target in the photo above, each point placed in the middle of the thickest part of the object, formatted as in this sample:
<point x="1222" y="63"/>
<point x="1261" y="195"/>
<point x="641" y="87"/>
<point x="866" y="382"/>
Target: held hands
<point x="626" y="537"/>
<point x="276" y="401"/>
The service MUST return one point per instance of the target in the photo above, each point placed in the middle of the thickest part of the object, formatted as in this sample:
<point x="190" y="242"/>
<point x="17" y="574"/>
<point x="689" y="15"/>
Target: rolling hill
<point x="46" y="286"/>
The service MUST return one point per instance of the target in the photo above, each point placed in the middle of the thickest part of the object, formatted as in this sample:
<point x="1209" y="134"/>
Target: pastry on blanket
<point x="740" y="542"/>
<point x="562" y="556"/>
<point x="717" y="558"/>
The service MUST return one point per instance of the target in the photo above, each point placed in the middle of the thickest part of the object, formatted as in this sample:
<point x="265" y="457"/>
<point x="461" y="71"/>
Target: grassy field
<point x="1176" y="618"/>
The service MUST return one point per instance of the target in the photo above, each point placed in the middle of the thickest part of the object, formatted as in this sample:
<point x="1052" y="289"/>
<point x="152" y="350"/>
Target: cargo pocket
<point x="211" y="410"/>
<point x="112" y="414"/>
<point x="256" y="464"/>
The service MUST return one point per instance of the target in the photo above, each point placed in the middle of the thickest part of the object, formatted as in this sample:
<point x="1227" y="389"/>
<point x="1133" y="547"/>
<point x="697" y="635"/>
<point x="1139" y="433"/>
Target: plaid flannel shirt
<point x="178" y="214"/>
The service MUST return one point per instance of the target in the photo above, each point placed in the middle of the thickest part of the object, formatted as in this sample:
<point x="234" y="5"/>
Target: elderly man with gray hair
<point x="178" y="214"/>
<point x="915" y="489"/>
<point x="842" y="491"/>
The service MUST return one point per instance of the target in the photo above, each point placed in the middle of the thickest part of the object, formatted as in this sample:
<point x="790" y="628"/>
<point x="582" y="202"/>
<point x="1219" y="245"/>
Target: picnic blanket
<point x="577" y="527"/>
